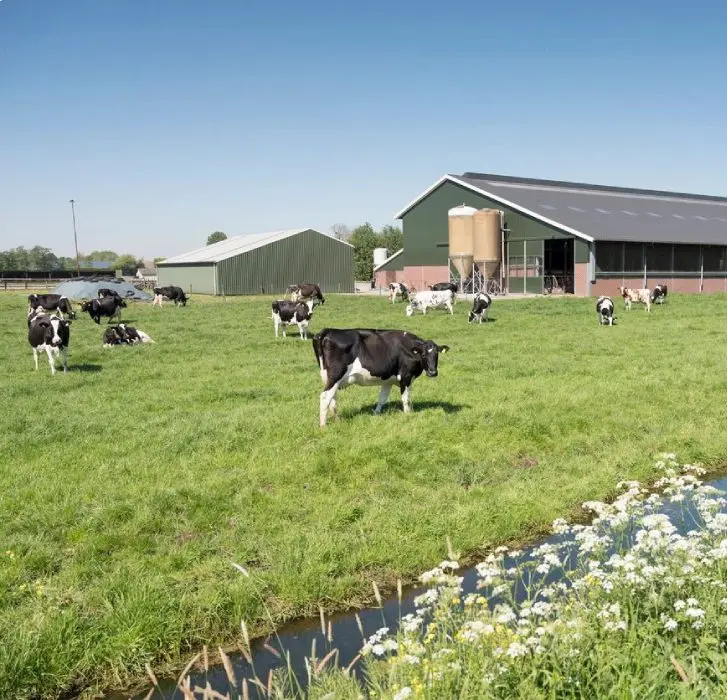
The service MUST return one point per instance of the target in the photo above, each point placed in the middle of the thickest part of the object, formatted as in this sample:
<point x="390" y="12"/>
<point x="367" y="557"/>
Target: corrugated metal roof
<point x="237" y="245"/>
<point x="603" y="212"/>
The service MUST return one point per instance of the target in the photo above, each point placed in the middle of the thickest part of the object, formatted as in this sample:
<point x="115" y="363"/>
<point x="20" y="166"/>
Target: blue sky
<point x="168" y="119"/>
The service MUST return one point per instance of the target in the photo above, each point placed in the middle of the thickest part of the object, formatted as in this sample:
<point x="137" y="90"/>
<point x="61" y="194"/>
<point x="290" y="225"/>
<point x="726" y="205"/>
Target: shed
<point x="263" y="263"/>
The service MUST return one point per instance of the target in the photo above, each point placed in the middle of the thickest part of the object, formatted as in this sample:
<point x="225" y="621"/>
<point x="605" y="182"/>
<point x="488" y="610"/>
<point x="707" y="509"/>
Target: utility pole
<point x="75" y="238"/>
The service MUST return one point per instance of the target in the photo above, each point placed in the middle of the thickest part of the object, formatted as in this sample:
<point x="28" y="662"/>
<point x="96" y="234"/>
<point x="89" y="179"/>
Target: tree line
<point x="40" y="259"/>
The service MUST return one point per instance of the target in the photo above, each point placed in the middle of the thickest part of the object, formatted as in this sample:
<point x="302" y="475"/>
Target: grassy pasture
<point x="130" y="484"/>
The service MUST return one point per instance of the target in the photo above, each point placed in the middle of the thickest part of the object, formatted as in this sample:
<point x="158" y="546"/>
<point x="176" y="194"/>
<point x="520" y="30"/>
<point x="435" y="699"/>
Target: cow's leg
<point x="276" y="322"/>
<point x="35" y="357"/>
<point x="328" y="401"/>
<point x="51" y="359"/>
<point x="284" y="326"/>
<point x="302" y="331"/>
<point x="383" y="397"/>
<point x="406" y="398"/>
<point x="450" y="306"/>
<point x="64" y="357"/>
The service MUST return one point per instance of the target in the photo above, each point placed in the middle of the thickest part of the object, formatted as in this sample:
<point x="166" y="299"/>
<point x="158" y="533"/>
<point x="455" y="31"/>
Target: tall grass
<point x="132" y="482"/>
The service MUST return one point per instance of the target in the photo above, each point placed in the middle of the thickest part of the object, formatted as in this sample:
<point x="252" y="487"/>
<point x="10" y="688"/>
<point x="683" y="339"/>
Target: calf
<point x="298" y="312"/>
<point x="108" y="306"/>
<point x="398" y="289"/>
<point x="124" y="335"/>
<point x="424" y="300"/>
<point x="480" y="307"/>
<point x="604" y="310"/>
<point x="302" y="292"/>
<point x="49" y="334"/>
<point x="372" y="358"/>
<point x="640" y="296"/>
<point x="658" y="296"/>
<point x="175" y="294"/>
<point x="51" y="302"/>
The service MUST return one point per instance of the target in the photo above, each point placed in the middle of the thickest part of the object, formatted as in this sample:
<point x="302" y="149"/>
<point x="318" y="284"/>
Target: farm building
<point x="521" y="235"/>
<point x="263" y="263"/>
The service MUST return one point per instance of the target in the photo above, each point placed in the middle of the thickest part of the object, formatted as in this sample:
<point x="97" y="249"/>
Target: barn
<point x="539" y="236"/>
<point x="263" y="263"/>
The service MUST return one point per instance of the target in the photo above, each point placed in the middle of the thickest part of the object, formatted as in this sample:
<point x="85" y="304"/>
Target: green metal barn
<point x="263" y="263"/>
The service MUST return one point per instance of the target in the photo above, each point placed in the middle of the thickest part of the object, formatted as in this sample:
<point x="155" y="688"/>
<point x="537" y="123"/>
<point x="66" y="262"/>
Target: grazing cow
<point x="480" y="307"/>
<point x="398" y="289"/>
<point x="640" y="296"/>
<point x="370" y="357"/>
<point x="122" y="334"/>
<point x="658" y="296"/>
<point x="175" y="294"/>
<point x="424" y="300"/>
<point x="49" y="334"/>
<point x="604" y="310"/>
<point x="108" y="306"/>
<point x="105" y="292"/>
<point x="51" y="302"/>
<point x="298" y="312"/>
<point x="302" y="292"/>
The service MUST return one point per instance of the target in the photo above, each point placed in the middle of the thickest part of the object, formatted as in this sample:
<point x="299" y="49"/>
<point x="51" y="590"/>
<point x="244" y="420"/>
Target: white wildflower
<point x="405" y="692"/>
<point x="516" y="649"/>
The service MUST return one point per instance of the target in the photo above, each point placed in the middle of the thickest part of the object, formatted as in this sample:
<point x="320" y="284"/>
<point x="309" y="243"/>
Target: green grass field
<point x="130" y="484"/>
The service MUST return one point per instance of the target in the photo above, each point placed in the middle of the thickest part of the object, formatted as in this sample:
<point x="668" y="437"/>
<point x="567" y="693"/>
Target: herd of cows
<point x="51" y="332"/>
<point x="364" y="357"/>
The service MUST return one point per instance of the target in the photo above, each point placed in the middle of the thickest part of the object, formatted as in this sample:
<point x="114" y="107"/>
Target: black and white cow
<point x="398" y="289"/>
<point x="61" y="304"/>
<point x="442" y="286"/>
<point x="658" y="295"/>
<point x="604" y="309"/>
<point x="106" y="292"/>
<point x="50" y="334"/>
<point x="175" y="294"/>
<point x="287" y="312"/>
<point x="122" y="334"/>
<point x="303" y="292"/>
<point x="370" y="357"/>
<point x="108" y="306"/>
<point x="480" y="307"/>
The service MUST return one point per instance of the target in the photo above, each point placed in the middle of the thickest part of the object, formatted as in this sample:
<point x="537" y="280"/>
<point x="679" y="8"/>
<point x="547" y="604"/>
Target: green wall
<point x="194" y="278"/>
<point x="306" y="257"/>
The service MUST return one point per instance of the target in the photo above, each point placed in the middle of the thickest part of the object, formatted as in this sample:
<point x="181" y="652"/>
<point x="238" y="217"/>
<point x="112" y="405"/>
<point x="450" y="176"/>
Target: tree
<point x="216" y="237"/>
<point x="392" y="238"/>
<point x="364" y="239"/>
<point x="128" y="264"/>
<point x="159" y="259"/>
<point x="341" y="231"/>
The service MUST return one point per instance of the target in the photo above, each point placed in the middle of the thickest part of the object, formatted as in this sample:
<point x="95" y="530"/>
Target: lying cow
<point x="425" y="300"/>
<point x="303" y="292"/>
<point x="640" y="296"/>
<point x="658" y="296"/>
<point x="108" y="306"/>
<point x="287" y="312"/>
<point x="604" y="309"/>
<point x="122" y="334"/>
<point x="51" y="302"/>
<point x="49" y="334"/>
<point x="480" y="307"/>
<point x="398" y="289"/>
<point x="175" y="294"/>
<point x="372" y="358"/>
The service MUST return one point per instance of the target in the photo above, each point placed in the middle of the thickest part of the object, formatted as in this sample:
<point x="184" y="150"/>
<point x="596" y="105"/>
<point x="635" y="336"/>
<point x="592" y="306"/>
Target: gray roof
<point x="599" y="212"/>
<point x="236" y="245"/>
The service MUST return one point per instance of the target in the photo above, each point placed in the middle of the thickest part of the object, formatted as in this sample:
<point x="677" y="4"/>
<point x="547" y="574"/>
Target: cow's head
<point x="428" y="351"/>
<point x="86" y="305"/>
<point x="53" y="334"/>
<point x="409" y="309"/>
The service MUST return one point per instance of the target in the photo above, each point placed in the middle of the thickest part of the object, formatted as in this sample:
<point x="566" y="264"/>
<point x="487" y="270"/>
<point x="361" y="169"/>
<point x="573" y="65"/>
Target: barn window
<point x="633" y="257"/>
<point x="714" y="258"/>
<point x="609" y="256"/>
<point x="659" y="257"/>
<point x="687" y="258"/>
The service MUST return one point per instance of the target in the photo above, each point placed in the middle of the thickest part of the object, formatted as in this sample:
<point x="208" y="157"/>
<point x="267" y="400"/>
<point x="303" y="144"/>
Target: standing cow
<point x="372" y="358"/>
<point x="658" y="296"/>
<point x="175" y="294"/>
<point x="480" y="307"/>
<point x="604" y="310"/>
<point x="640" y="296"/>
<point x="61" y="304"/>
<point x="398" y="289"/>
<point x="49" y="334"/>
<point x="285" y="312"/>
<point x="424" y="300"/>
<point x="108" y="306"/>
<point x="303" y="292"/>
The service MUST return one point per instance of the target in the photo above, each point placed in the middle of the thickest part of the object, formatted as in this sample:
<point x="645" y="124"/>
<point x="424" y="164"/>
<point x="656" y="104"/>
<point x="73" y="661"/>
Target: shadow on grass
<point x="86" y="367"/>
<point x="396" y="407"/>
